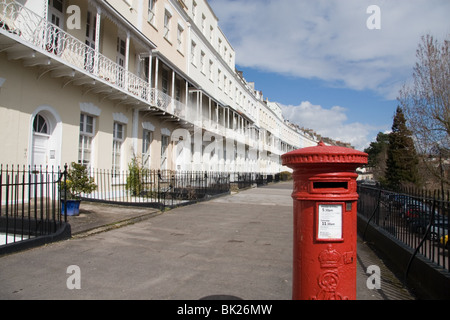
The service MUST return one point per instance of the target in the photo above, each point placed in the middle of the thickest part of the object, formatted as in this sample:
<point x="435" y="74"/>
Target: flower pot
<point x="73" y="207"/>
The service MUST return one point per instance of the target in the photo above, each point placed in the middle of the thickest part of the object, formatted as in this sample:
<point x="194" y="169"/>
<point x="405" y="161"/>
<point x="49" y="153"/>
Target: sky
<point x="333" y="66"/>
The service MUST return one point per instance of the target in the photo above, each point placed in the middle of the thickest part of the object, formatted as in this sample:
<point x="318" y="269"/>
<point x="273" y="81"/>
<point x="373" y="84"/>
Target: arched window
<point x="40" y="125"/>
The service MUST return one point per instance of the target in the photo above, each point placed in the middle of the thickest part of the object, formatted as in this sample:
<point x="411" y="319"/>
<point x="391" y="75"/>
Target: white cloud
<point x="330" y="123"/>
<point x="329" y="40"/>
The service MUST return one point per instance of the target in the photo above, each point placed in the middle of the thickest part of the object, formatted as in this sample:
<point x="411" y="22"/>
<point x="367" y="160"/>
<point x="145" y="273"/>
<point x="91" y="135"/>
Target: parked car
<point x="419" y="224"/>
<point x="398" y="200"/>
<point x="416" y="209"/>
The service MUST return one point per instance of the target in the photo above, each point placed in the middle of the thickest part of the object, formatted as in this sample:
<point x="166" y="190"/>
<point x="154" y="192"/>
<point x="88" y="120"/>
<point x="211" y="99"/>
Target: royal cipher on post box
<point x="325" y="196"/>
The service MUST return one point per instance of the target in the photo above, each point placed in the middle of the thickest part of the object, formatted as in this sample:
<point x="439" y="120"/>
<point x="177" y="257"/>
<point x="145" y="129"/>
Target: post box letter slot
<point x="330" y="185"/>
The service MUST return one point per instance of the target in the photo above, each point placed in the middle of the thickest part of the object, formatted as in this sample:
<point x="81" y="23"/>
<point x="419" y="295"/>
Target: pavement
<point x="234" y="246"/>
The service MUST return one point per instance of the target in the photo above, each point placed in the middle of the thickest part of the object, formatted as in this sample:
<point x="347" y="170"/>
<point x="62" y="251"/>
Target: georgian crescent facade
<point x="104" y="82"/>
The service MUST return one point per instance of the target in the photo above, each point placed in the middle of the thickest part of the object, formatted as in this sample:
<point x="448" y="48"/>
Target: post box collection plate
<point x="329" y="222"/>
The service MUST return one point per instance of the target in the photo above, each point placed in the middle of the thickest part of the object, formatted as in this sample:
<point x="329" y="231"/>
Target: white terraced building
<point x="101" y="82"/>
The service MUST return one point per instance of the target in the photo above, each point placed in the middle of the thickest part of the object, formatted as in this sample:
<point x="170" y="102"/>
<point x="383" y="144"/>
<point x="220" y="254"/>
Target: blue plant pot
<point x="73" y="207"/>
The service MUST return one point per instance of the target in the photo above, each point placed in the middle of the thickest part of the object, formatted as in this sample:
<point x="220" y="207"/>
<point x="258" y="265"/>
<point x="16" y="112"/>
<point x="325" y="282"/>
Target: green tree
<point x="377" y="152"/>
<point x="402" y="161"/>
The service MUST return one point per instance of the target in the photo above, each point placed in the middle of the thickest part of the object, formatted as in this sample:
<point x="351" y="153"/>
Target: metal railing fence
<point x="162" y="188"/>
<point x="418" y="218"/>
<point x="156" y="188"/>
<point x="30" y="202"/>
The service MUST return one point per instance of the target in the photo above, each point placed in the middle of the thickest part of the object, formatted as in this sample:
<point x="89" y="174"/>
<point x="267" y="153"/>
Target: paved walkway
<point x="238" y="245"/>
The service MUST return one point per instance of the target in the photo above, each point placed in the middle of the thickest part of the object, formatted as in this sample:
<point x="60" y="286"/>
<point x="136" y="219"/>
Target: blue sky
<point x="323" y="65"/>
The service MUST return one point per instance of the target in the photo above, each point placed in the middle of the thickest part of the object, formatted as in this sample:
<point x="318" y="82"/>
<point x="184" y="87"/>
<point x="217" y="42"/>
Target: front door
<point x="164" y="151"/>
<point x="41" y="137"/>
<point x="91" y="29"/>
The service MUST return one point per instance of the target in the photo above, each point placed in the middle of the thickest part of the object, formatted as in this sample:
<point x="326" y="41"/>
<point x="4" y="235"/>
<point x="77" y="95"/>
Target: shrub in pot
<point x="77" y="182"/>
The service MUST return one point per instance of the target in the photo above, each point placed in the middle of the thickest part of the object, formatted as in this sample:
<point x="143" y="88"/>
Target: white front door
<point x="40" y="150"/>
<point x="41" y="137"/>
<point x="164" y="151"/>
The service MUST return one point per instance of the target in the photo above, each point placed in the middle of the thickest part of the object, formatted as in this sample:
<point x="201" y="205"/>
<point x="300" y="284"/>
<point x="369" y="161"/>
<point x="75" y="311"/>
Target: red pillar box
<point x="325" y="197"/>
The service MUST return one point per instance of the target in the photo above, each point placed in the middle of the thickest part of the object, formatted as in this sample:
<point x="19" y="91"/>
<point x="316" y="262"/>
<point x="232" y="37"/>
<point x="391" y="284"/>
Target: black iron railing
<point x="30" y="202"/>
<point x="418" y="218"/>
<point x="156" y="188"/>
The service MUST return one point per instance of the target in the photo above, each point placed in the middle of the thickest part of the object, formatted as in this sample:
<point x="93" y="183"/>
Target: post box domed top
<point x="323" y="154"/>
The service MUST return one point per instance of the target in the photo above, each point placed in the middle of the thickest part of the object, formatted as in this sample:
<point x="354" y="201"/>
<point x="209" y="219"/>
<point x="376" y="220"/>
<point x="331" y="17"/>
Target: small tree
<point x="136" y="176"/>
<point x="79" y="181"/>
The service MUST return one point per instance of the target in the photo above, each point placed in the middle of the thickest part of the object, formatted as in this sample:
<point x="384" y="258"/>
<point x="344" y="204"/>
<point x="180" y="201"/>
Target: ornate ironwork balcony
<point x="44" y="42"/>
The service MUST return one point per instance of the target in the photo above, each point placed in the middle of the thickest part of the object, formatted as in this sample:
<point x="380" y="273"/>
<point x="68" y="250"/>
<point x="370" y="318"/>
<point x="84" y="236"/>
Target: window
<point x="180" y="38"/>
<point x="144" y="69"/>
<point x="120" y="59"/>
<point x="146" y="148"/>
<point x="203" y="24"/>
<point x="40" y="125"/>
<point x="211" y="34"/>
<point x="91" y="26"/>
<point x="225" y="84"/>
<point x="121" y="50"/>
<point x="56" y="17"/>
<point x="202" y="62"/>
<point x="211" y="73"/>
<point x="151" y="12"/>
<point x="194" y="10"/>
<point x="177" y="90"/>
<point x="193" y="50"/>
<point x="167" y="18"/>
<point x="57" y="4"/>
<point x="165" y="81"/>
<point x="91" y="30"/>
<point x="118" y="136"/>
<point x="87" y="124"/>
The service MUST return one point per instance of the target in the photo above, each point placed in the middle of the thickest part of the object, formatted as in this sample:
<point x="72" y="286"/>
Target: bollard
<point x="325" y="196"/>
